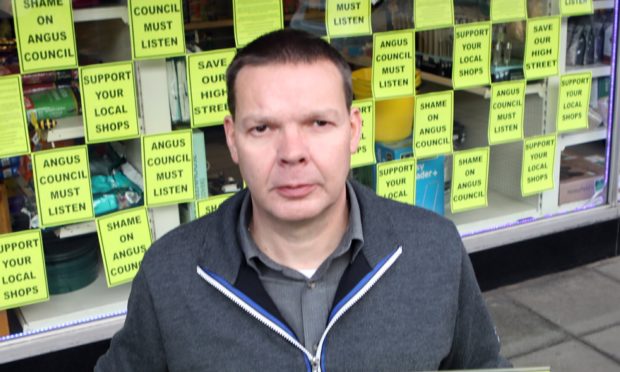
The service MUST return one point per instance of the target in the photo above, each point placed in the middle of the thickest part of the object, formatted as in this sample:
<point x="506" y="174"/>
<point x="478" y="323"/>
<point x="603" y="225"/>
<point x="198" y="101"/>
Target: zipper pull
<point x="315" y="364"/>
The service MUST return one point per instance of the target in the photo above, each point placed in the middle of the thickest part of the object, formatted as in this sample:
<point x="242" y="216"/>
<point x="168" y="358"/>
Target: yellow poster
<point x="506" y="112"/>
<point x="253" y="18"/>
<point x="471" y="55"/>
<point x="168" y="169"/>
<point x="13" y="125"/>
<point x="365" y="154"/>
<point x="157" y="28"/>
<point x="576" y="7"/>
<point x="396" y="180"/>
<point x="62" y="184"/>
<point x="470" y="179"/>
<point x="433" y="14"/>
<point x="538" y="163"/>
<point x="508" y="10"/>
<point x="23" y="279"/>
<point x="45" y="35"/>
<point x="124" y="237"/>
<point x="574" y="101"/>
<point x="211" y="204"/>
<point x="348" y="18"/>
<point x="393" y="67"/>
<point x="433" y="124"/>
<point x="542" y="46"/>
<point x="206" y="76"/>
<point x="109" y="102"/>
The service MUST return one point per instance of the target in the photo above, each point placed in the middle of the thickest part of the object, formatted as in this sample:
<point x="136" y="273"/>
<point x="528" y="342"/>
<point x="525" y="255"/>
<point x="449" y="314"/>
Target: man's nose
<point x="292" y="148"/>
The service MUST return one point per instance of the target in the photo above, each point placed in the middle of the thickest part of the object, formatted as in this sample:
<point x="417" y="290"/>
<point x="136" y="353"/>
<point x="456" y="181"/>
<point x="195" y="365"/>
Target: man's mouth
<point x="295" y="191"/>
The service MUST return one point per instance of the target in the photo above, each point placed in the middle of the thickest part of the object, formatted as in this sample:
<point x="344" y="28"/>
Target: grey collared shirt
<point x="303" y="302"/>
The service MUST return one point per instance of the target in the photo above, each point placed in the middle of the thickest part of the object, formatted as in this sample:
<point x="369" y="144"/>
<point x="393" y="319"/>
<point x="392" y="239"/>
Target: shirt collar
<point x="353" y="238"/>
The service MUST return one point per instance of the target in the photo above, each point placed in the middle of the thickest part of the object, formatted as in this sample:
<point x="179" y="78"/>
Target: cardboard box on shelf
<point x="581" y="177"/>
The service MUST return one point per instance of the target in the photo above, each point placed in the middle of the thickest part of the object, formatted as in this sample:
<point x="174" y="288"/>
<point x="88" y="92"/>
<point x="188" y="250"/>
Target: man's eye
<point x="320" y="123"/>
<point x="260" y="128"/>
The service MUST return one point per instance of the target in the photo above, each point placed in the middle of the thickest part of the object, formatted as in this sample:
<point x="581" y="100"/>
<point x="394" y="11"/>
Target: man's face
<point x="292" y="138"/>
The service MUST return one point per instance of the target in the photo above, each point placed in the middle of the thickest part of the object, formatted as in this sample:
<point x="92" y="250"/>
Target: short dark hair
<point x="287" y="46"/>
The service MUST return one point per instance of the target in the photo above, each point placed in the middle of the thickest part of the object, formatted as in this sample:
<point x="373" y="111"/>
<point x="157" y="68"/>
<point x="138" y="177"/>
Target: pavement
<point x="568" y="320"/>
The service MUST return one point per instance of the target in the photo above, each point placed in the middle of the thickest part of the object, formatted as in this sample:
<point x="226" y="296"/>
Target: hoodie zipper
<point x="313" y="362"/>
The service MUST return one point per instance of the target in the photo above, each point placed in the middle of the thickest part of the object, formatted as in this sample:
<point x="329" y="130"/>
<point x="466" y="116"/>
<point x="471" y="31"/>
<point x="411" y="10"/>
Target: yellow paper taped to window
<point x="45" y="35"/>
<point x="168" y="168"/>
<point x="365" y="154"/>
<point x="470" y="179"/>
<point x="63" y="186"/>
<point x="433" y="126"/>
<point x="157" y="28"/>
<point x="109" y="101"/>
<point x="396" y="180"/>
<point x="537" y="165"/>
<point x="124" y="238"/>
<point x="23" y="279"/>
<point x="206" y="75"/>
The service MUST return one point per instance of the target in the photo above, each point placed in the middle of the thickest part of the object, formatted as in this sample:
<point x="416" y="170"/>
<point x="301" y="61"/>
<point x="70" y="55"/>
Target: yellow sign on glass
<point x="348" y="18"/>
<point x="576" y="7"/>
<point x="470" y="179"/>
<point x="574" y="101"/>
<point x="157" y="28"/>
<point x="254" y="18"/>
<point x="124" y="237"/>
<point x="537" y="165"/>
<point x="365" y="154"/>
<point x="13" y="125"/>
<point x="393" y="67"/>
<point x="62" y="184"/>
<point x="211" y="204"/>
<point x="396" y="180"/>
<point x="471" y="55"/>
<point x="433" y="14"/>
<point x="206" y="75"/>
<point x="506" y="112"/>
<point x="109" y="102"/>
<point x="23" y="279"/>
<point x="45" y="35"/>
<point x="542" y="46"/>
<point x="168" y="169"/>
<point x="433" y="124"/>
<point x="508" y="10"/>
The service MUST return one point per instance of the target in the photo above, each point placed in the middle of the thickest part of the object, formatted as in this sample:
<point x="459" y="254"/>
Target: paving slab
<point x="571" y="356"/>
<point x="520" y="329"/>
<point x="577" y="300"/>
<point x="609" y="267"/>
<point x="607" y="340"/>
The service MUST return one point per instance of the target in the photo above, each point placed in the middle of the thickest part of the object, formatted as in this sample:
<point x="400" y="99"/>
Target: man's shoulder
<point x="188" y="241"/>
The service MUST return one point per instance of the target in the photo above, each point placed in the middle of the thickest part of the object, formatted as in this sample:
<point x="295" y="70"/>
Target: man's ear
<point x="229" y="129"/>
<point x="355" y="117"/>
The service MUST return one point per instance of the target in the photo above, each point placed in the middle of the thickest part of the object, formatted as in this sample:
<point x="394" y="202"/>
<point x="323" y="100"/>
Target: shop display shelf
<point x="483" y="91"/>
<point x="603" y="4"/>
<point x="579" y="137"/>
<point x="539" y="227"/>
<point x="76" y="229"/>
<point x="89" y="314"/>
<point x="100" y="13"/>
<point x="67" y="128"/>
<point x="501" y="210"/>
<point x="598" y="69"/>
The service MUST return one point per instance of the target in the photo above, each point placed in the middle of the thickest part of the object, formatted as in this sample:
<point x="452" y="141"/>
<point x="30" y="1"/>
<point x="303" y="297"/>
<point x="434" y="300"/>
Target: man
<point x="304" y="270"/>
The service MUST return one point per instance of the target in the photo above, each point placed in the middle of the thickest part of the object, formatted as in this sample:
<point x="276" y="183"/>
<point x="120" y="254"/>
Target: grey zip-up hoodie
<point x="408" y="302"/>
